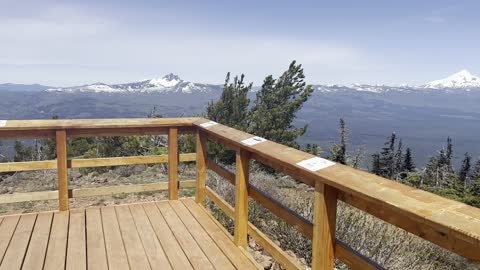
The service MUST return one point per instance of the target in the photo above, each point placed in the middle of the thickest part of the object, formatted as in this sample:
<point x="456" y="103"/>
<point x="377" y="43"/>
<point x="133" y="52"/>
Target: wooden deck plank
<point x="37" y="249"/>
<point x="194" y="253"/>
<point x="155" y="253"/>
<point x="213" y="252"/>
<point x="136" y="255"/>
<point x="116" y="254"/>
<point x="96" y="252"/>
<point x="77" y="249"/>
<point x="57" y="244"/>
<point x="172" y="248"/>
<point x="235" y="255"/>
<point x="161" y="235"/>
<point x="6" y="232"/>
<point x="17" y="249"/>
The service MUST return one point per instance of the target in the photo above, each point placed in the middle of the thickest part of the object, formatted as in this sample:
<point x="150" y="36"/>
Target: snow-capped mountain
<point x="462" y="79"/>
<point x="169" y="83"/>
<point x="456" y="83"/>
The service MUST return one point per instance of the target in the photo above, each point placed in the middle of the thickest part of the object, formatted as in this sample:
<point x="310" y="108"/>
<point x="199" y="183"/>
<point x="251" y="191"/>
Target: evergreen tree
<point x="22" y="152"/>
<point x="399" y="158"/>
<point x="232" y="107"/>
<point x="448" y="155"/>
<point x="387" y="157"/>
<point x="276" y="105"/>
<point x="339" y="151"/>
<point x="376" y="167"/>
<point x="231" y="110"/>
<point x="475" y="173"/>
<point x="408" y="165"/>
<point x="465" y="170"/>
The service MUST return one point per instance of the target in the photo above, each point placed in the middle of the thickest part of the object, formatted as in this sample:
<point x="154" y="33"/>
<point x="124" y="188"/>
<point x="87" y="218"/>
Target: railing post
<point x="324" y="218"/>
<point x="172" y="164"/>
<point x="241" y="198"/>
<point x="61" y="141"/>
<point x="201" y="167"/>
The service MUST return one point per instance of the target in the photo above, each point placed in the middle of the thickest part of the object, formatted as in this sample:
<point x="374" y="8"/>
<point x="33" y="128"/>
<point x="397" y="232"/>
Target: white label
<point x="208" y="124"/>
<point x="316" y="163"/>
<point x="254" y="140"/>
<point x="3" y="123"/>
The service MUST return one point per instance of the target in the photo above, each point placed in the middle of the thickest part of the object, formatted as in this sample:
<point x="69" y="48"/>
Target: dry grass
<point x="391" y="247"/>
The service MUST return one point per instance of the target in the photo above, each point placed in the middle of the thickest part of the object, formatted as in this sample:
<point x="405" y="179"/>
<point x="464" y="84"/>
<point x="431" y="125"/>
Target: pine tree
<point x="232" y="107"/>
<point x="408" y="165"/>
<point x="339" y="151"/>
<point x="376" y="167"/>
<point x="387" y="157"/>
<point x="22" y="152"/>
<point x="448" y="155"/>
<point x="231" y="110"/>
<point x="465" y="170"/>
<point x="277" y="104"/>
<point x="399" y="158"/>
<point x="475" y="173"/>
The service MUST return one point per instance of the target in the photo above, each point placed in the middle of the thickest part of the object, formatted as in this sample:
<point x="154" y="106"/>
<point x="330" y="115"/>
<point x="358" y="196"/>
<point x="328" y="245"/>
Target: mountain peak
<point x="461" y="79"/>
<point x="168" y="80"/>
<point x="171" y="77"/>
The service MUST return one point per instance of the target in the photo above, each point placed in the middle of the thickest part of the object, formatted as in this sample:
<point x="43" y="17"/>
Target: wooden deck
<point x="163" y="235"/>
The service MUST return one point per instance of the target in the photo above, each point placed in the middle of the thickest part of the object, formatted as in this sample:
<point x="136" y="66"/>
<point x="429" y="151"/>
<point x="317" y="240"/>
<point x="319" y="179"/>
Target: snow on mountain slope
<point x="461" y="79"/>
<point x="169" y="83"/>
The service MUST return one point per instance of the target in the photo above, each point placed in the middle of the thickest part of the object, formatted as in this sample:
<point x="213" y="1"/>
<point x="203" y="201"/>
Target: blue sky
<point x="65" y="43"/>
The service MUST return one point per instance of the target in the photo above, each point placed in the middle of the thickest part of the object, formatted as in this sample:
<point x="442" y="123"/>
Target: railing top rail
<point x="53" y="124"/>
<point x="451" y="224"/>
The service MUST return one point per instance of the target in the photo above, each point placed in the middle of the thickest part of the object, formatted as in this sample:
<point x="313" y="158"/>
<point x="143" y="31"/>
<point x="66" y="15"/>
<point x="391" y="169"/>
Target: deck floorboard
<point x="162" y="235"/>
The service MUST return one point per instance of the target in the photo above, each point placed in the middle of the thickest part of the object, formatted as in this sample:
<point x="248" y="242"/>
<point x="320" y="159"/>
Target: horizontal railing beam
<point x="447" y="223"/>
<point x="350" y="257"/>
<point x="91" y="192"/>
<point x="91" y="162"/>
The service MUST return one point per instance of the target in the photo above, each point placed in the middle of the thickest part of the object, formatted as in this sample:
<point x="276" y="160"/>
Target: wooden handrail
<point x="447" y="223"/>
<point x="450" y="224"/>
<point x="62" y="129"/>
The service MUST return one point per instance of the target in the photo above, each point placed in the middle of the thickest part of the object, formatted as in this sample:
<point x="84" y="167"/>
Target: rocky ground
<point x="123" y="175"/>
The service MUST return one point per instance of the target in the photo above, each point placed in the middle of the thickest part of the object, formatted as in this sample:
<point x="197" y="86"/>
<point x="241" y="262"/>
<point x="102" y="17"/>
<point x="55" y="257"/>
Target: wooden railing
<point x="449" y="224"/>
<point x="60" y="130"/>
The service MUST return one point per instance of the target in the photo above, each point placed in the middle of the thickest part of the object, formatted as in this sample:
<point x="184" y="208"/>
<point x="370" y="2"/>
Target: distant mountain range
<point x="423" y="116"/>
<point x="171" y="83"/>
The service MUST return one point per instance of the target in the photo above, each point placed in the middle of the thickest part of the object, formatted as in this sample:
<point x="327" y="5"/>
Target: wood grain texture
<point x="241" y="199"/>
<point x="194" y="253"/>
<point x="219" y="236"/>
<point x="96" y="251"/>
<point x="164" y="235"/>
<point x="173" y="163"/>
<point x="77" y="246"/>
<point x="154" y="250"/>
<point x="447" y="223"/>
<point x="75" y="124"/>
<point x="170" y="245"/>
<point x="201" y="148"/>
<point x="62" y="171"/>
<point x="324" y="220"/>
<point x="17" y="249"/>
<point x="57" y="244"/>
<point x="37" y="249"/>
<point x="116" y="254"/>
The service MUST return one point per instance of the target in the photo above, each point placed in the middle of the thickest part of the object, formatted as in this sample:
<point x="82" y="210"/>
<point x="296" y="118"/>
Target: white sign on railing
<point x="208" y="124"/>
<point x="3" y="123"/>
<point x="254" y="140"/>
<point x="315" y="164"/>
